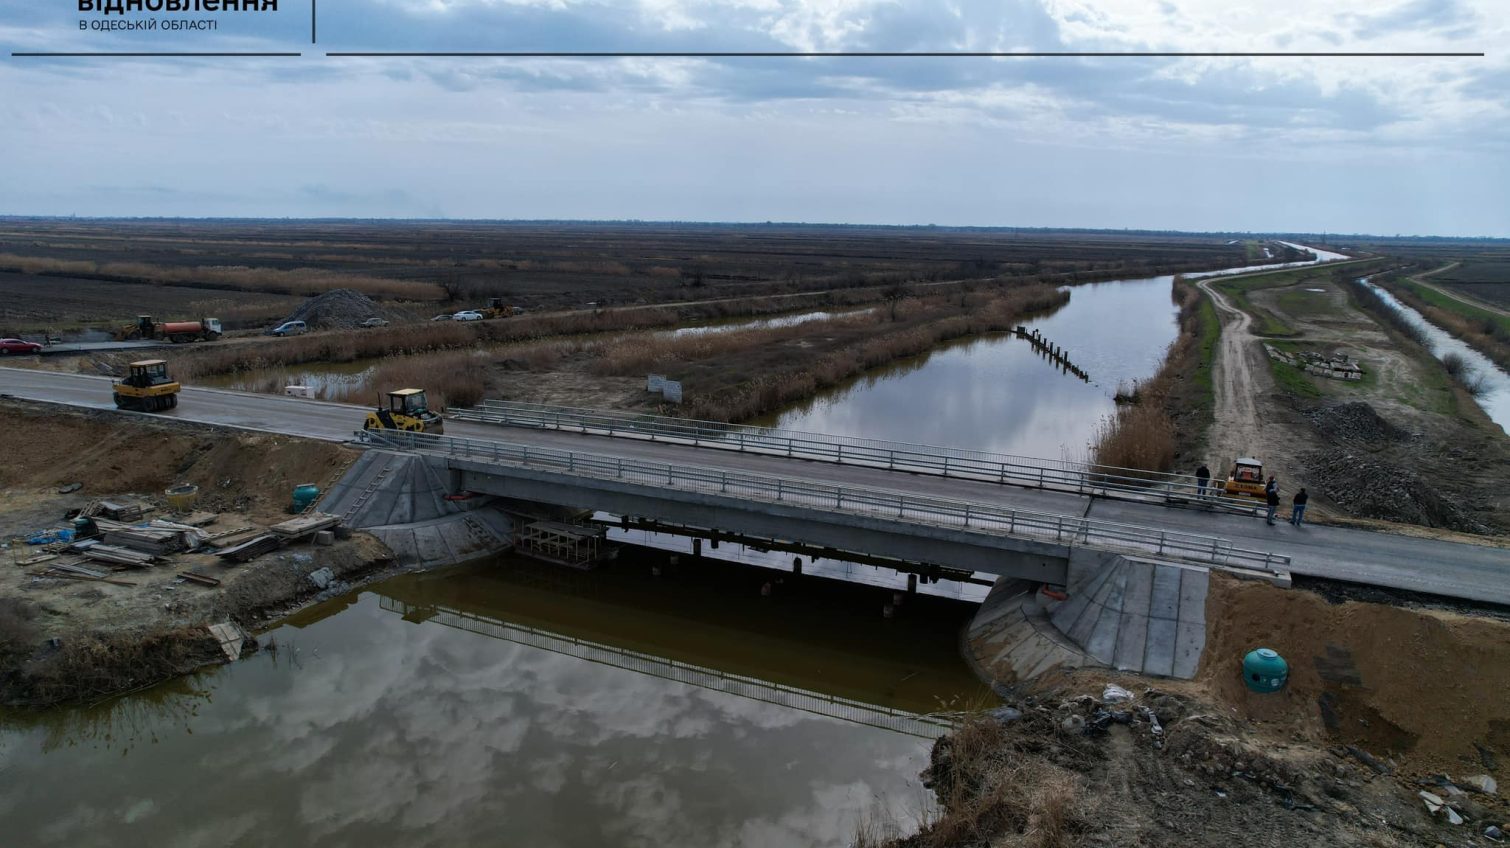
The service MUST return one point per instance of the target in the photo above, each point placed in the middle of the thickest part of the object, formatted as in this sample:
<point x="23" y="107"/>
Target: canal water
<point x="996" y="393"/>
<point x="1495" y="395"/>
<point x="519" y="704"/>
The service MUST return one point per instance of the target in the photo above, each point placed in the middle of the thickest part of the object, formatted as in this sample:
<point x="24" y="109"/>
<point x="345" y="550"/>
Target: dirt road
<point x="1457" y="296"/>
<point x="1240" y="376"/>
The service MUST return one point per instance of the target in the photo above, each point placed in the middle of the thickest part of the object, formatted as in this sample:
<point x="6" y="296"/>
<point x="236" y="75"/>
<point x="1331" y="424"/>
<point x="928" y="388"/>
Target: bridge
<point x="998" y="514"/>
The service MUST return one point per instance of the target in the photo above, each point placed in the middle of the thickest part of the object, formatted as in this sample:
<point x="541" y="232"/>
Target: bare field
<point x="29" y="302"/>
<point x="441" y="266"/>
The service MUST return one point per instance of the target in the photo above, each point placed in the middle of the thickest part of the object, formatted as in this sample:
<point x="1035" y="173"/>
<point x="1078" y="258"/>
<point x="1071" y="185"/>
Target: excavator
<point x="1247" y="477"/>
<point x="406" y="410"/>
<point x="147" y="387"/>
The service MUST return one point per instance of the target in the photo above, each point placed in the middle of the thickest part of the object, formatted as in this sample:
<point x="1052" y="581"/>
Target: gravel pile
<point x="1369" y="488"/>
<point x="1354" y="422"/>
<point x="337" y="308"/>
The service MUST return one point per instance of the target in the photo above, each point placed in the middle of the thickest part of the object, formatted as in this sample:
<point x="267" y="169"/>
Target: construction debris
<point x="305" y="525"/>
<point x="251" y="549"/>
<point x="117" y="511"/>
<point x="202" y="579"/>
<point x="157" y="537"/>
<point x="101" y="552"/>
<point x="230" y="637"/>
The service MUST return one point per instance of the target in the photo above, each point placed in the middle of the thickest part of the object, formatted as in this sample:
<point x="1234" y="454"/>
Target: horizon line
<point x="1331" y="234"/>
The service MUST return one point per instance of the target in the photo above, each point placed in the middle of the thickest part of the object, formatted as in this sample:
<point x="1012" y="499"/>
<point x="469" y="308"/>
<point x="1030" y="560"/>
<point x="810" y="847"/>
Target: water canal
<point x="1494" y="396"/>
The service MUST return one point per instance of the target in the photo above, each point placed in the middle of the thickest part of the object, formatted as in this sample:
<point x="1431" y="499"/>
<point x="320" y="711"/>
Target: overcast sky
<point x="1381" y="145"/>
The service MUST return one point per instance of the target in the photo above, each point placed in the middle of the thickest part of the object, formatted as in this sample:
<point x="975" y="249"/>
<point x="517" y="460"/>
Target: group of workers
<point x="1271" y="496"/>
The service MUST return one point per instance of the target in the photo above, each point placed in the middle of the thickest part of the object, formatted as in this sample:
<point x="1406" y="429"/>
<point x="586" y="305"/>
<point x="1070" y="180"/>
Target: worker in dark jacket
<point x="1298" y="509"/>
<point x="1202" y="477"/>
<point x="1272" y="496"/>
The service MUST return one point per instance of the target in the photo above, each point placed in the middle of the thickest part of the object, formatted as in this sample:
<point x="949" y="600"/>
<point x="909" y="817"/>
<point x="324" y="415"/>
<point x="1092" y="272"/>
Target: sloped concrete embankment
<point x="403" y="500"/>
<point x="1123" y="613"/>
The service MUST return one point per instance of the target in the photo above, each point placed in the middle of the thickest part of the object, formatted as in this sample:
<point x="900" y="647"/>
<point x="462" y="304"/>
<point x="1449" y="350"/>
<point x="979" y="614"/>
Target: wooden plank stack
<point x="252" y="548"/>
<point x="305" y="525"/>
<point x="115" y="554"/>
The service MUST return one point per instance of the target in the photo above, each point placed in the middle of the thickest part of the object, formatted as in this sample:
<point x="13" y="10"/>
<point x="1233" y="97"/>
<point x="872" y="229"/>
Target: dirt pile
<point x="338" y="309"/>
<point x="1423" y="688"/>
<point x="1371" y="487"/>
<point x="1066" y="766"/>
<point x="253" y="473"/>
<point x="1354" y="422"/>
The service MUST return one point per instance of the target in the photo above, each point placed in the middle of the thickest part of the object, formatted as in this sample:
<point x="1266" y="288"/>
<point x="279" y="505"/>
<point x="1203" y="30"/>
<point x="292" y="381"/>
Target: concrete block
<point x="1086" y="623"/>
<point x="1158" y="654"/>
<point x="1132" y="641"/>
<point x="1135" y="598"/>
<point x="325" y="537"/>
<point x="1193" y="585"/>
<point x="1165" y="600"/>
<point x="1102" y="643"/>
<point x="1190" y="642"/>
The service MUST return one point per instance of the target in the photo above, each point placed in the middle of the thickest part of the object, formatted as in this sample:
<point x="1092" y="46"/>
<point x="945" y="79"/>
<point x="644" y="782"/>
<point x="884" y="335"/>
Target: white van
<point x="289" y="328"/>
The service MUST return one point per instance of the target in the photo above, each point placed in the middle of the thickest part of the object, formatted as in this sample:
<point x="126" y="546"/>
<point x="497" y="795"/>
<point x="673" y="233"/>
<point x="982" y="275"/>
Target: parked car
<point x="9" y="346"/>
<point x="445" y="317"/>
<point x="374" y="322"/>
<point x="467" y="315"/>
<point x="290" y="328"/>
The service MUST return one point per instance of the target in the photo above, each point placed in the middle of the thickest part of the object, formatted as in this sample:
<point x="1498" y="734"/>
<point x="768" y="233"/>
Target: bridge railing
<point x="889" y="505"/>
<point x="1030" y="472"/>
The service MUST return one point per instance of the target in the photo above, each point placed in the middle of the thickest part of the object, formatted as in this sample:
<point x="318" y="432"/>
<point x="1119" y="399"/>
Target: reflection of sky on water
<point x="385" y="732"/>
<point x="997" y="394"/>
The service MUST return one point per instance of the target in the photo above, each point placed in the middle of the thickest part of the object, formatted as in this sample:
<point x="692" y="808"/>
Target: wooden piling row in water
<point x="1056" y="354"/>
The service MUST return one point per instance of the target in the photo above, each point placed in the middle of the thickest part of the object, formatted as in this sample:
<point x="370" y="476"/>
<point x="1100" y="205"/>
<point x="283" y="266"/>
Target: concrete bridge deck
<point x="1453" y="569"/>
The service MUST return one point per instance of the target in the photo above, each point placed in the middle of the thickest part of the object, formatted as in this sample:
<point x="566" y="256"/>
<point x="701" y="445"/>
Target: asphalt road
<point x="1452" y="569"/>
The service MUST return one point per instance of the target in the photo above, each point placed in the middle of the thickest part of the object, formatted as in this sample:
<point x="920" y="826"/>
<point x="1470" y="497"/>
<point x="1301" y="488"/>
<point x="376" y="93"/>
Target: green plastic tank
<point x="304" y="495"/>
<point x="1265" y="670"/>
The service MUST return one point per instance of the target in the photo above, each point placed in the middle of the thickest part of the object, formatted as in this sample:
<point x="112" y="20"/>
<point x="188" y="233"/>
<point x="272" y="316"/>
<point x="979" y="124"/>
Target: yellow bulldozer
<point x="147" y="387"/>
<point x="406" y="410"/>
<point x="496" y="308"/>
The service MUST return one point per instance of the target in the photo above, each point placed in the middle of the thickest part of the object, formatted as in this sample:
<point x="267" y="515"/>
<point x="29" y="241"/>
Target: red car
<point x="8" y="346"/>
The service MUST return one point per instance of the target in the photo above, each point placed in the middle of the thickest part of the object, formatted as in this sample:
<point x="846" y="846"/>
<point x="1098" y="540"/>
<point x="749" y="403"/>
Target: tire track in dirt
<point x="1239" y="376"/>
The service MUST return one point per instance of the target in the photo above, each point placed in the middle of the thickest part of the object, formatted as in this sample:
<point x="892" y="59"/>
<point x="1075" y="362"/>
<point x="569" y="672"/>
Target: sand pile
<point x="1425" y="688"/>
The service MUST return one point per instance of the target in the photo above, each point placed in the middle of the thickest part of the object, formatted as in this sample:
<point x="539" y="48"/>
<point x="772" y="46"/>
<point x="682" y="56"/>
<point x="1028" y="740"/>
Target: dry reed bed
<point x="929" y="323"/>
<point x="450" y="379"/>
<point x="427" y="337"/>
<point x="300" y="281"/>
<point x="1144" y="435"/>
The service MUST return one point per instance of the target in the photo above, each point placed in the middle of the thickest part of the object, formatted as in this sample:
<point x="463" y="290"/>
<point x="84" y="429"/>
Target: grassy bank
<point x="1484" y="331"/>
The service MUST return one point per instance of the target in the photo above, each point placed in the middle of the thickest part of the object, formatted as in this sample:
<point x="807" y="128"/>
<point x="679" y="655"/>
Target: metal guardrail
<point x="832" y="706"/>
<point x="1029" y="472"/>
<point x="878" y="503"/>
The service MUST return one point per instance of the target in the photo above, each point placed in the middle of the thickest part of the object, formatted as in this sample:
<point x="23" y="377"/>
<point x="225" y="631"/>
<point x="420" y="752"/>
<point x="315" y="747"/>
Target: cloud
<point x="323" y="136"/>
